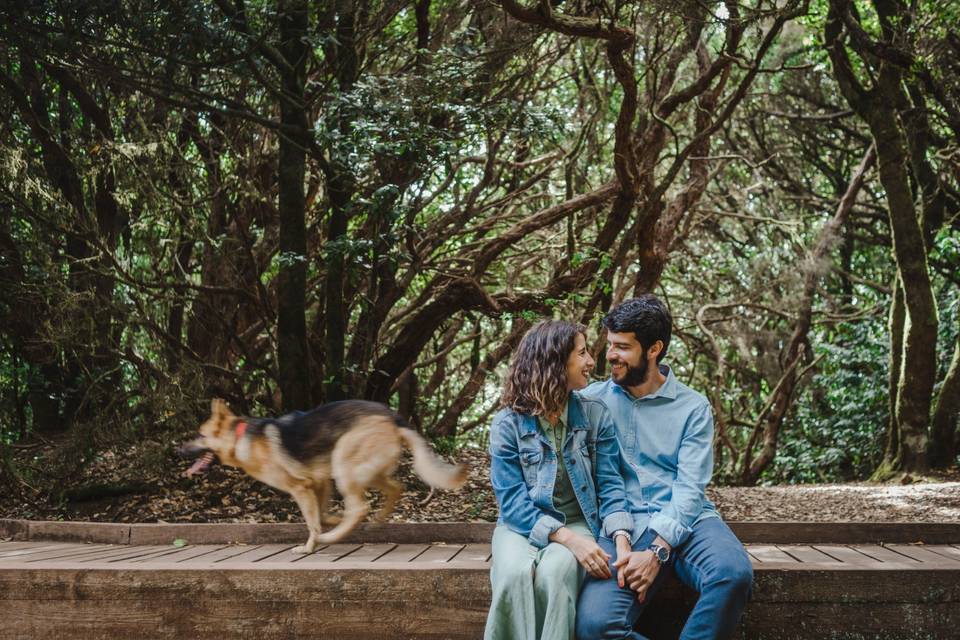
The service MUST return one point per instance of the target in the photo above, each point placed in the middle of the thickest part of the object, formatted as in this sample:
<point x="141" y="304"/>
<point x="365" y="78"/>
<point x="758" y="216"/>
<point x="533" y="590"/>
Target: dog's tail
<point x="434" y="471"/>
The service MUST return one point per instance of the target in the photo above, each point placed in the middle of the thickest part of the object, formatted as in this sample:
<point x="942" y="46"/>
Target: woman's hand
<point x="623" y="555"/>
<point x="586" y="550"/>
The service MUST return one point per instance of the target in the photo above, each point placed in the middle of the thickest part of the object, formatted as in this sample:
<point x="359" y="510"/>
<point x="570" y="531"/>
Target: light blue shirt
<point x="666" y="449"/>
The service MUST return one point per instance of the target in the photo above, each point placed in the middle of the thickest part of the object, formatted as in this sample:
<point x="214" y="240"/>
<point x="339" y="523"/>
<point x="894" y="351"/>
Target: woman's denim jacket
<point x="523" y="470"/>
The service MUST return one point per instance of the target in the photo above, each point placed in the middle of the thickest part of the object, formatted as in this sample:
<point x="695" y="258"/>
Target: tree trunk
<point x="781" y="398"/>
<point x="880" y="107"/>
<point x="944" y="433"/>
<point x="340" y="184"/>
<point x="919" y="357"/>
<point x="895" y="326"/>
<point x="294" y="372"/>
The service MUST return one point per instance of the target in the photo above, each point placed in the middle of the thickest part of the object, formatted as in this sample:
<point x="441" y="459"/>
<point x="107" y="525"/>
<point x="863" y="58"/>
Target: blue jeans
<point x="711" y="561"/>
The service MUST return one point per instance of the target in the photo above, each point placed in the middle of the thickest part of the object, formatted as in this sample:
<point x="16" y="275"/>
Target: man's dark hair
<point x="646" y="316"/>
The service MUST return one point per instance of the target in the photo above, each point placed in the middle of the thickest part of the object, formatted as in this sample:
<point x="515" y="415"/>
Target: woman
<point x="554" y="469"/>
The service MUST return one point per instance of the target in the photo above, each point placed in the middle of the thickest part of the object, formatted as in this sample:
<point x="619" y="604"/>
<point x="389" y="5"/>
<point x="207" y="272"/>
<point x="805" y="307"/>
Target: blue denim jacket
<point x="666" y="442"/>
<point x="523" y="470"/>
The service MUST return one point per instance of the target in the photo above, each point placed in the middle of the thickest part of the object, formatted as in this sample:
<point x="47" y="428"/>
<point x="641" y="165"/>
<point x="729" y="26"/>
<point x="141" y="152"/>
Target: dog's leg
<point x="323" y="502"/>
<point x="391" y="490"/>
<point x="306" y="499"/>
<point x="354" y="509"/>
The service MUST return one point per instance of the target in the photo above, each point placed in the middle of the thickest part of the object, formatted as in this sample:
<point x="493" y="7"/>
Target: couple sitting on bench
<point x="601" y="488"/>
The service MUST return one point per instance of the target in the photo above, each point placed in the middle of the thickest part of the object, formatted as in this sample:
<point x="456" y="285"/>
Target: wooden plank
<point x="223" y="553"/>
<point x="101" y="532"/>
<point x="454" y="532"/>
<point x="55" y="551"/>
<point x="847" y="532"/>
<point x="14" y="529"/>
<point x="245" y="603"/>
<point x="474" y="552"/>
<point x="331" y="553"/>
<point x="183" y="554"/>
<point x="370" y="552"/>
<point x="805" y="554"/>
<point x="852" y="621"/>
<point x="255" y="553"/>
<point x="13" y="546"/>
<point x="439" y="553"/>
<point x="70" y="553"/>
<point x="921" y="554"/>
<point x="141" y="553"/>
<point x="434" y="603"/>
<point x="404" y="553"/>
<point x="769" y="553"/>
<point x="846" y="555"/>
<point x="31" y="548"/>
<point x="219" y="533"/>
<point x="882" y="554"/>
<point x="285" y="556"/>
<point x="945" y="550"/>
<point x="107" y="553"/>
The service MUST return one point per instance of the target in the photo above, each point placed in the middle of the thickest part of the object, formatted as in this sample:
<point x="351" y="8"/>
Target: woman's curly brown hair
<point x="536" y="383"/>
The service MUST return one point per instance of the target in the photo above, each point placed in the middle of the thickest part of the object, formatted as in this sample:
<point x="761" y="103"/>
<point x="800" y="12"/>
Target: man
<point x="665" y="431"/>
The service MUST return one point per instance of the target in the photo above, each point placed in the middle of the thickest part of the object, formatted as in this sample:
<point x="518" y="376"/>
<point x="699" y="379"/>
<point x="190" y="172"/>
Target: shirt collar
<point x="572" y="416"/>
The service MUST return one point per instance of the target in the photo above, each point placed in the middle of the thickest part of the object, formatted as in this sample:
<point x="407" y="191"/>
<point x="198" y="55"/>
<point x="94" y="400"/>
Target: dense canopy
<point x="286" y="203"/>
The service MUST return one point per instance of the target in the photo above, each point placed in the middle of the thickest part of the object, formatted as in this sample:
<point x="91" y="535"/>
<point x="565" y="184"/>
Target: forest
<point x="285" y="203"/>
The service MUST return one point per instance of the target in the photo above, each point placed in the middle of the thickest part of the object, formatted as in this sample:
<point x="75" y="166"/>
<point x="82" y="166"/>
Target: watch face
<point x="661" y="553"/>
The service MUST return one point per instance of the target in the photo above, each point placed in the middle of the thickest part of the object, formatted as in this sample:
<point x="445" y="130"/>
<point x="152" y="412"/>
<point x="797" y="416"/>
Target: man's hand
<point x="638" y="570"/>
<point x="623" y="552"/>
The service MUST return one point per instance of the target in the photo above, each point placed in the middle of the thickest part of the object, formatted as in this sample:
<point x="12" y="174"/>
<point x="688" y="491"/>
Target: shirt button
<point x="583" y="487"/>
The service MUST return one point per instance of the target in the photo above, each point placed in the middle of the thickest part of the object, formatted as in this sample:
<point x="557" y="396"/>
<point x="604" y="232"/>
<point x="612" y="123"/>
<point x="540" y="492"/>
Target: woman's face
<point x="579" y="364"/>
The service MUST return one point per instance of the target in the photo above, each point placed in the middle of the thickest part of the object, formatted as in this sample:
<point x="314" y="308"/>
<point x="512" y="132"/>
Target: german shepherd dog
<point x="353" y="442"/>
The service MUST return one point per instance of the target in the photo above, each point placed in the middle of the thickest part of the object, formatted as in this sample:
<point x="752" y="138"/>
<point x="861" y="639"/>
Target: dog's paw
<point x="303" y="549"/>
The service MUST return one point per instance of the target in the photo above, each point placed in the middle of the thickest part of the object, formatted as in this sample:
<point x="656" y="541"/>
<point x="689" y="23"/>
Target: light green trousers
<point x="534" y="590"/>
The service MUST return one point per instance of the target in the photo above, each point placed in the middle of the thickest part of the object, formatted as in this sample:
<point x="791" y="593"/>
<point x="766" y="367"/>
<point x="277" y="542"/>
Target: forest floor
<point x="120" y="487"/>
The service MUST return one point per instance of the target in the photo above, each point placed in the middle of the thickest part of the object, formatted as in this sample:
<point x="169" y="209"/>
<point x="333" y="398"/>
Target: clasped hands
<point x="636" y="569"/>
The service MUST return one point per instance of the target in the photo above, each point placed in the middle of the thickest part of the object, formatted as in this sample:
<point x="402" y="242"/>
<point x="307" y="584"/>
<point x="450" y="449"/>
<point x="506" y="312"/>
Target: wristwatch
<point x="662" y="554"/>
<point x="620" y="532"/>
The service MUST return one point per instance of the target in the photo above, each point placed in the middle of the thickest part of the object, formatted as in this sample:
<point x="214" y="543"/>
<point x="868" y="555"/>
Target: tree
<point x="893" y="106"/>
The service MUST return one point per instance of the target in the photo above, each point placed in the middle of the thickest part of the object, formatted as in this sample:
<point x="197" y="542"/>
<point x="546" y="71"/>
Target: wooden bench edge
<point x="463" y="532"/>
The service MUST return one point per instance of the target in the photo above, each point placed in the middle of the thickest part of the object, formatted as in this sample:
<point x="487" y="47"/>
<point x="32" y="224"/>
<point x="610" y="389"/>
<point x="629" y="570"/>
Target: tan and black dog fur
<point x="355" y="443"/>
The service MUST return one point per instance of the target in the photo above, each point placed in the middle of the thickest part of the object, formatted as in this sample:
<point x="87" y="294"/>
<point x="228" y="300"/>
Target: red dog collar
<point x="240" y="429"/>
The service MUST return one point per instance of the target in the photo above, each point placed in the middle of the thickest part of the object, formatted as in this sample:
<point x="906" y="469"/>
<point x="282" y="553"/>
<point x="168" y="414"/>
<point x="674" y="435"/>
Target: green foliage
<point x="837" y="432"/>
<point x="140" y="266"/>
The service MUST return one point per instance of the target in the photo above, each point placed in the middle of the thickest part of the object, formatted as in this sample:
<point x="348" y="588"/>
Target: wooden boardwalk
<point x="765" y="557"/>
<point x="372" y="588"/>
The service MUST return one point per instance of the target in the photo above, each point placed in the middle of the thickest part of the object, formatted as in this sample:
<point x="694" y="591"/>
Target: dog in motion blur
<point x="355" y="443"/>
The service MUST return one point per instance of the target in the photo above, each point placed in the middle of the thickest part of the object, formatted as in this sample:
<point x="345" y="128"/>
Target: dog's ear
<point x="219" y="408"/>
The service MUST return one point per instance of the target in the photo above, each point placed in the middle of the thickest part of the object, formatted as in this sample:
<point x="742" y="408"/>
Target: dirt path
<point x="226" y="495"/>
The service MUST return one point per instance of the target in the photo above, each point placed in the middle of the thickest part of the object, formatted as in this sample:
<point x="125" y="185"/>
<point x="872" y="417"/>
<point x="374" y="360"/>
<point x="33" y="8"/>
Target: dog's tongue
<point x="201" y="464"/>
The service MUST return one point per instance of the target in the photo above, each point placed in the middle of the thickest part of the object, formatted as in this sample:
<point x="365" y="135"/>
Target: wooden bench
<point x="82" y="580"/>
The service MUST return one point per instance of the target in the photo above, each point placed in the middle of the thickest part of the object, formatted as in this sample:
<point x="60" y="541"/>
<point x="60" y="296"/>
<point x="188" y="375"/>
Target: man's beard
<point x="635" y="376"/>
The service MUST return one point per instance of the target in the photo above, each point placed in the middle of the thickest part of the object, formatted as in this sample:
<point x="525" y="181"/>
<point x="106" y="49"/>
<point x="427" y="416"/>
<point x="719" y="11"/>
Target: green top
<point x="564" y="499"/>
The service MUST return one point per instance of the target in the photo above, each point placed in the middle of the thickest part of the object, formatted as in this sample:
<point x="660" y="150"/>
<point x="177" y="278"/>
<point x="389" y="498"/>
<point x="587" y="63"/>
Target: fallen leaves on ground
<point x="228" y="495"/>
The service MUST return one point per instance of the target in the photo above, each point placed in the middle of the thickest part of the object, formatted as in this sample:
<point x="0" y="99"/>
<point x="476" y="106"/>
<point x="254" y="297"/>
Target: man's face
<point x="628" y="362"/>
